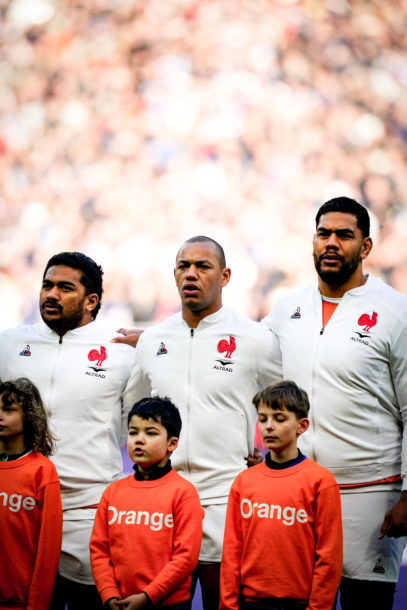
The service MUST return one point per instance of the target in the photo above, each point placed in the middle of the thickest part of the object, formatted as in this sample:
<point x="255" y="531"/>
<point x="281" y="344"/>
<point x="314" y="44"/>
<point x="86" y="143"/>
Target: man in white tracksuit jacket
<point x="345" y="342"/>
<point x="210" y="361"/>
<point x="82" y="379"/>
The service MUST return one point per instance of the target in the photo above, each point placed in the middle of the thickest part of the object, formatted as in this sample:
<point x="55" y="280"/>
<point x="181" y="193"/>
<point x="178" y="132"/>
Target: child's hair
<point x="37" y="435"/>
<point x="161" y="410"/>
<point x="282" y="395"/>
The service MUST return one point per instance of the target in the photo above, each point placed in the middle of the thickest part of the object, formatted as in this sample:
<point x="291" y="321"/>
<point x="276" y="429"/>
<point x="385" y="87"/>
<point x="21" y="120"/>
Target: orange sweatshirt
<point x="283" y="536"/>
<point x="31" y="531"/>
<point x="147" y="537"/>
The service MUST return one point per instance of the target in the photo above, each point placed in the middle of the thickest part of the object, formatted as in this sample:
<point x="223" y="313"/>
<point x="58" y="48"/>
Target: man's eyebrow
<point x="198" y="262"/>
<point x="343" y="230"/>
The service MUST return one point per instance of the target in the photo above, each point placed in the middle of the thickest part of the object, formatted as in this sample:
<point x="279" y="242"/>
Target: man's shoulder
<point x="388" y="296"/>
<point x="23" y="331"/>
<point x="233" y="319"/>
<point x="98" y="331"/>
<point x="171" y="324"/>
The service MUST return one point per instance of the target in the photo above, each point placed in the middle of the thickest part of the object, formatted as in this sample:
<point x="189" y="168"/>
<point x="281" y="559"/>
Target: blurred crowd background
<point x="128" y="126"/>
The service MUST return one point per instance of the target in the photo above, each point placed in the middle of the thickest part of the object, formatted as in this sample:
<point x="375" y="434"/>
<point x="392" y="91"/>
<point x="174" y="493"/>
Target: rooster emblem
<point x="367" y="322"/>
<point x="98" y="356"/>
<point x="229" y="348"/>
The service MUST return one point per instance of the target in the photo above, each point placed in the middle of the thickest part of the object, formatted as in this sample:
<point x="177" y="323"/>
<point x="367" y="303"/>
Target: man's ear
<point x="92" y="300"/>
<point x="303" y="425"/>
<point x="367" y="245"/>
<point x="226" y="273"/>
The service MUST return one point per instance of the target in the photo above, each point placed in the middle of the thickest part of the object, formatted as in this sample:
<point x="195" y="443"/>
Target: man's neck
<point x="333" y="291"/>
<point x="192" y="318"/>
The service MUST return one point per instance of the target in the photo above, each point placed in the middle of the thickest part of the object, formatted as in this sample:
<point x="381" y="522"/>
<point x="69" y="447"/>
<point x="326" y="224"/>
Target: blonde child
<point x="30" y="504"/>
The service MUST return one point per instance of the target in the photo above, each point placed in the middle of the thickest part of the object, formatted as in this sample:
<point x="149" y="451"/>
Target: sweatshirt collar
<point x="157" y="472"/>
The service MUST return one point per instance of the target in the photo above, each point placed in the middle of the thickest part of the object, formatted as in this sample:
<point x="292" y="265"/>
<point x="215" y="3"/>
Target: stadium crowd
<point x="127" y="126"/>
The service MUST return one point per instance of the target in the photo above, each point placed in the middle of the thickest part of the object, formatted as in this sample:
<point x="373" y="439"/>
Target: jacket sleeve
<point x="137" y="387"/>
<point x="230" y="569"/>
<point x="100" y="558"/>
<point x="398" y="371"/>
<point x="270" y="365"/>
<point x="49" y="547"/>
<point x="328" y="549"/>
<point x="188" y="515"/>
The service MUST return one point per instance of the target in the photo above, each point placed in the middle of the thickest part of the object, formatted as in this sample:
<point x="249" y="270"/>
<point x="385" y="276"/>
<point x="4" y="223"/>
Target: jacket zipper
<point x="187" y="424"/>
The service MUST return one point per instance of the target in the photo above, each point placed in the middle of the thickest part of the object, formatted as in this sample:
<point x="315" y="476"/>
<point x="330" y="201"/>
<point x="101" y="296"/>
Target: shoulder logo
<point x="367" y="321"/>
<point x="26" y="351"/>
<point x="296" y="314"/>
<point x="162" y="349"/>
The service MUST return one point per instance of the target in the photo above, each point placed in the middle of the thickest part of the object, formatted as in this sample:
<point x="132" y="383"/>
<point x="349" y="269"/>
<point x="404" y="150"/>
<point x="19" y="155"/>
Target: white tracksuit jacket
<point x="355" y="374"/>
<point x="213" y="386"/>
<point x="82" y="378"/>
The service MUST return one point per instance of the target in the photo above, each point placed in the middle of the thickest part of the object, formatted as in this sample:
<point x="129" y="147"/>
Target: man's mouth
<point x="190" y="290"/>
<point x="331" y="259"/>
<point x="50" y="307"/>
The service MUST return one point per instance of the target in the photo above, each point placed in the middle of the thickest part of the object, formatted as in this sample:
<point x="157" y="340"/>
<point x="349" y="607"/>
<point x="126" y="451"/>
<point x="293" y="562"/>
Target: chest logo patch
<point x="367" y="321"/>
<point x="227" y="347"/>
<point x="98" y="357"/>
<point x="26" y="351"/>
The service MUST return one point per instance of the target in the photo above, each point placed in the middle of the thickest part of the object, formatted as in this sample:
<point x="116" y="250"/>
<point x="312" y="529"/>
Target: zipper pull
<point x="192" y="332"/>
<point x="321" y="332"/>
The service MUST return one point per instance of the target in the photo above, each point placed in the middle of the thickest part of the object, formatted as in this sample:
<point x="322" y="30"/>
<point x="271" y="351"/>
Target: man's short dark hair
<point x="91" y="273"/>
<point x="161" y="410"/>
<point x="220" y="254"/>
<point x="282" y="395"/>
<point x="346" y="205"/>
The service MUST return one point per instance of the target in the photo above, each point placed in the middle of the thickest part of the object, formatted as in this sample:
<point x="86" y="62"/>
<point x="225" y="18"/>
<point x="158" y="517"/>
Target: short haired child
<point x="148" y="527"/>
<point x="30" y="502"/>
<point x="283" y="534"/>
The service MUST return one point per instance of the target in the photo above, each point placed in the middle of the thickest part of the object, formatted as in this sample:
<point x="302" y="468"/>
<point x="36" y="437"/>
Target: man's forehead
<point x="63" y="273"/>
<point x="338" y="220"/>
<point x="197" y="251"/>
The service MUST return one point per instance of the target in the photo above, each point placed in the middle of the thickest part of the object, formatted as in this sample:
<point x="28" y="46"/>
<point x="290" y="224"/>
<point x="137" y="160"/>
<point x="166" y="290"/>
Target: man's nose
<point x="192" y="272"/>
<point x="332" y="241"/>
<point x="53" y="293"/>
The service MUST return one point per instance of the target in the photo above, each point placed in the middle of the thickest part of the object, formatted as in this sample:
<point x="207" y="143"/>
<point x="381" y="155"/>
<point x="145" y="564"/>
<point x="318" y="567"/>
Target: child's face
<point x="279" y="430"/>
<point x="148" y="442"/>
<point x="11" y="421"/>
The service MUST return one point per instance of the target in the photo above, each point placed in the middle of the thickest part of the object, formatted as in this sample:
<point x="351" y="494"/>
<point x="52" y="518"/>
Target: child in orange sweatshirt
<point x="30" y="502"/>
<point x="283" y="536"/>
<point x="148" y="527"/>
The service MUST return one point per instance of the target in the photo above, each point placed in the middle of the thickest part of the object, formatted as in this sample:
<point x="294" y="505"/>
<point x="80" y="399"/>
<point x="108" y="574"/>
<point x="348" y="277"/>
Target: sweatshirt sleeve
<point x="188" y="515"/>
<point x="328" y="549"/>
<point x="49" y="547"/>
<point x="100" y="558"/>
<point x="230" y="569"/>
